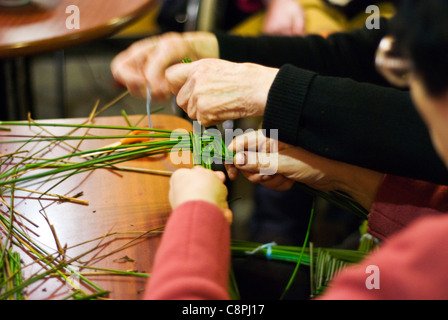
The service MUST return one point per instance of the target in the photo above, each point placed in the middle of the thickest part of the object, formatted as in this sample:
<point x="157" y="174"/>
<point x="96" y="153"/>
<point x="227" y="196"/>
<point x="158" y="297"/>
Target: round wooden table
<point x="45" y="26"/>
<point x="41" y="26"/>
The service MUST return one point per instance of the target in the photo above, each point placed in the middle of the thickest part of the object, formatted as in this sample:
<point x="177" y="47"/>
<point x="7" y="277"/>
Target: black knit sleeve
<point x="349" y="54"/>
<point x="359" y="123"/>
<point x="329" y="99"/>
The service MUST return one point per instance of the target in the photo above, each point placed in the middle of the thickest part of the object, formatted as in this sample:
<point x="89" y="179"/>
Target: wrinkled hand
<point x="284" y="17"/>
<point x="145" y="62"/>
<point x="213" y="90"/>
<point x="199" y="184"/>
<point x="277" y="166"/>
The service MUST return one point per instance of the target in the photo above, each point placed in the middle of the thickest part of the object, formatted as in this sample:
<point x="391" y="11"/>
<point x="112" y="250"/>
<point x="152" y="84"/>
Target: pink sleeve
<point x="193" y="259"/>
<point x="409" y="266"/>
<point x="400" y="201"/>
<point x="250" y="6"/>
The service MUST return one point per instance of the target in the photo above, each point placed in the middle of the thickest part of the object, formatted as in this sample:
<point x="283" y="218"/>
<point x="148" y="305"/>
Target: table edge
<point x="81" y="37"/>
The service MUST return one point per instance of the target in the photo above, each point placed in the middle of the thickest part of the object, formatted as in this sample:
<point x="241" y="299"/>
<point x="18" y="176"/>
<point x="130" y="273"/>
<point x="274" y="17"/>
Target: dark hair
<point x="420" y="28"/>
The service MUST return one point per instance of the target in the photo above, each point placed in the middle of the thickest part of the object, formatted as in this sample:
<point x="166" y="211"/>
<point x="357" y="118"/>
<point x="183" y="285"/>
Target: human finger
<point x="127" y="67"/>
<point x="274" y="182"/>
<point x="232" y="171"/>
<point x="221" y="175"/>
<point x="178" y="81"/>
<point x="257" y="162"/>
<point x="171" y="50"/>
<point x="228" y="215"/>
<point x="248" y="141"/>
<point x="177" y="75"/>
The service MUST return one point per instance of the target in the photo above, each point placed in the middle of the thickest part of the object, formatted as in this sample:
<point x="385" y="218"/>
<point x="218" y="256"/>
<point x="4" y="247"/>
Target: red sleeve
<point x="410" y="265"/>
<point x="400" y="201"/>
<point x="193" y="259"/>
<point x="249" y="6"/>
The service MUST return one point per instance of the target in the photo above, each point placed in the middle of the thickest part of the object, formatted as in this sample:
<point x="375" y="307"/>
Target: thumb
<point x="257" y="162"/>
<point x="177" y="75"/>
<point x="221" y="175"/>
<point x="228" y="215"/>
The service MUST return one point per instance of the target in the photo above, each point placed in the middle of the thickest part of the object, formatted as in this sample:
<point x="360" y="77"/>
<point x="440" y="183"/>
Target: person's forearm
<point x="192" y="261"/>
<point x="400" y="201"/>
<point x="362" y="124"/>
<point x="341" y="54"/>
<point x="360" y="183"/>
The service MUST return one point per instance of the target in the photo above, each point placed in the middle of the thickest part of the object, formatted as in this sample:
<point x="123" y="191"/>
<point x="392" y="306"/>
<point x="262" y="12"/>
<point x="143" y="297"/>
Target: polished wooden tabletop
<point x="110" y="231"/>
<point x="41" y="25"/>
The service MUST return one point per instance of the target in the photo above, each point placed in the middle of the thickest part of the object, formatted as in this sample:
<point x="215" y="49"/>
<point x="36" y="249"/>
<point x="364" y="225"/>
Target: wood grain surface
<point x="125" y="205"/>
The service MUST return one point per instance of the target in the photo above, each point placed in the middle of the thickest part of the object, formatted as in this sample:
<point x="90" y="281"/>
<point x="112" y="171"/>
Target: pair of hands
<point x="257" y="155"/>
<point x="146" y="61"/>
<point x="209" y="90"/>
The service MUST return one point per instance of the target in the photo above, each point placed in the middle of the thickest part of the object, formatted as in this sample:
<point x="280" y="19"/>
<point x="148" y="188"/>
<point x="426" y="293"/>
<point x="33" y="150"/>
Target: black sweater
<point x="329" y="99"/>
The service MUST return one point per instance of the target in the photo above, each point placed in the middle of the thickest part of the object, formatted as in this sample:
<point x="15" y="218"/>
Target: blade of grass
<point x="291" y="280"/>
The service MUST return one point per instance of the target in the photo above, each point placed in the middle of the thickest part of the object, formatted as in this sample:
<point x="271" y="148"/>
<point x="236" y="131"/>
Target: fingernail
<point x="240" y="159"/>
<point x="266" y="178"/>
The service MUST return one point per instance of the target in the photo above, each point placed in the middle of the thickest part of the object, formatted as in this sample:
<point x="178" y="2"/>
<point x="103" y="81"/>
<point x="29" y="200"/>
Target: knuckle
<point x="254" y="178"/>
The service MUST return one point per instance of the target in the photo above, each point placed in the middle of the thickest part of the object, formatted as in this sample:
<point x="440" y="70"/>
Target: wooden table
<point x="41" y="27"/>
<point x="123" y="204"/>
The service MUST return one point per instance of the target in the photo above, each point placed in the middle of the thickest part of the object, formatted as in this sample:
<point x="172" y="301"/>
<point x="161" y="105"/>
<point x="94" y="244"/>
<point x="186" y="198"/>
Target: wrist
<point x="263" y="88"/>
<point x="361" y="184"/>
<point x="183" y="200"/>
<point x="204" y="208"/>
<point x="286" y="101"/>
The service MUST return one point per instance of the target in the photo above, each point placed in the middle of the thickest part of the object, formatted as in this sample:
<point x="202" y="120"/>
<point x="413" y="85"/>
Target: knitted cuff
<point x="285" y="102"/>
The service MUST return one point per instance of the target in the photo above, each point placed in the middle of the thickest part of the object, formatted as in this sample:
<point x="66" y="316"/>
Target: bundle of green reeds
<point x="323" y="263"/>
<point x="165" y="142"/>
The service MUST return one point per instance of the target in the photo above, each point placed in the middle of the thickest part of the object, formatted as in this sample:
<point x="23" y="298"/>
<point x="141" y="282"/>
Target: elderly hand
<point x="213" y="90"/>
<point x="199" y="184"/>
<point x="145" y="62"/>
<point x="277" y="165"/>
<point x="284" y="17"/>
